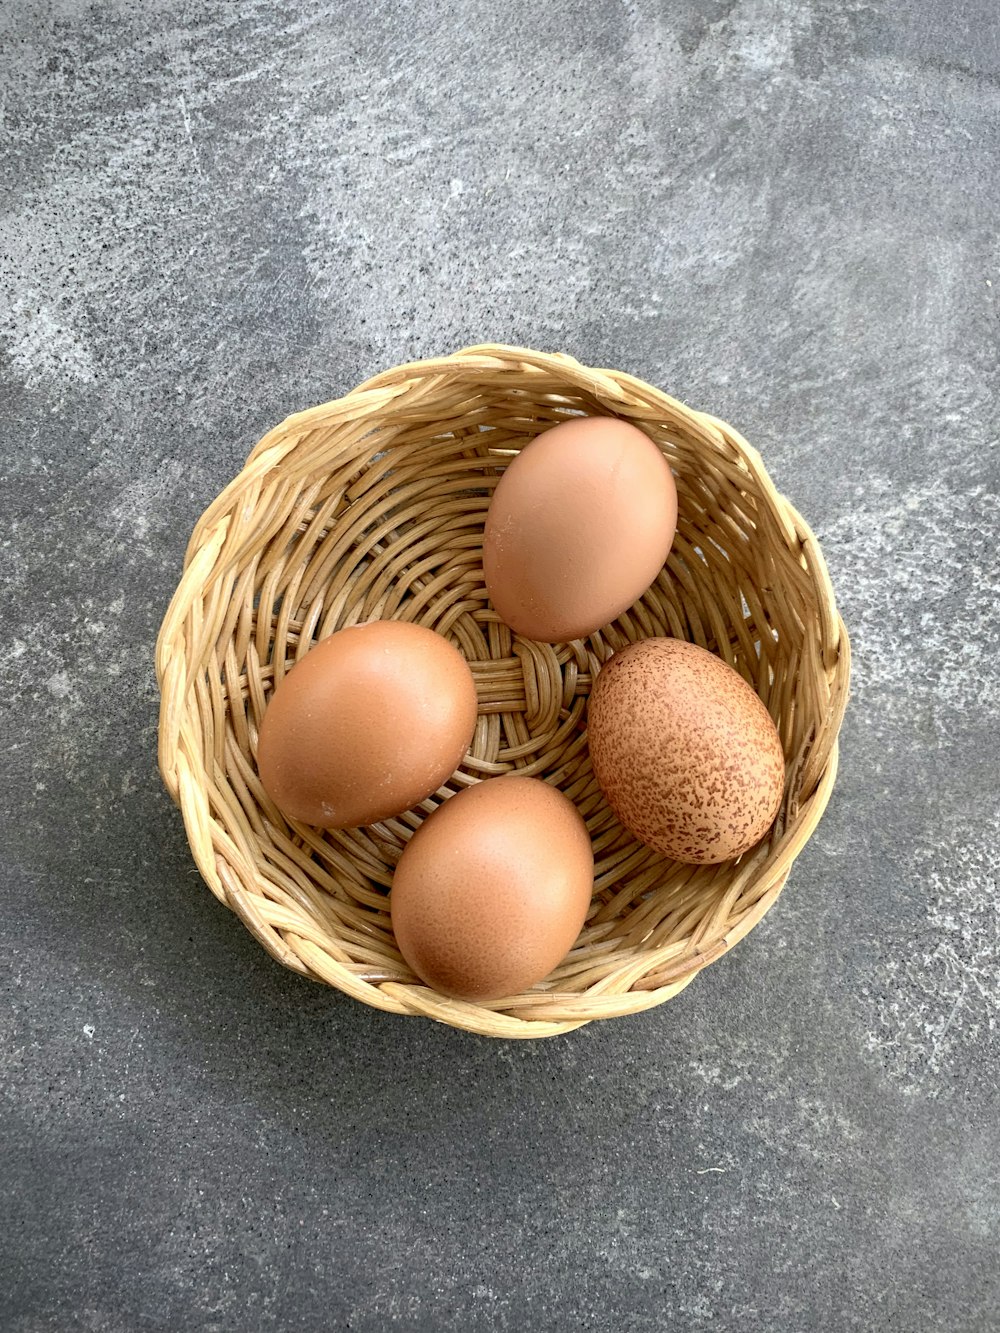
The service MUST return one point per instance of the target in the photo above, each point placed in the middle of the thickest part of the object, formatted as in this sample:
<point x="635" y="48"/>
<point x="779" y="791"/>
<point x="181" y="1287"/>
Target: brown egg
<point x="579" y="526"/>
<point x="685" y="751"/>
<point x="493" y="888"/>
<point x="370" y="722"/>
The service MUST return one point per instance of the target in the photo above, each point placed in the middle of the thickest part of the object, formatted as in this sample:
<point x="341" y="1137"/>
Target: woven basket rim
<point x="225" y="848"/>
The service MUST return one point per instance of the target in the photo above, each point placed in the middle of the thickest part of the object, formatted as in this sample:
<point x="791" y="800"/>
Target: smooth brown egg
<point x="685" y="751"/>
<point x="493" y="888"/>
<point x="579" y="526"/>
<point x="370" y="722"/>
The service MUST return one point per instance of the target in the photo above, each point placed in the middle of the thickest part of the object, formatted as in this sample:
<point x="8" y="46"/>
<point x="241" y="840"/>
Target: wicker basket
<point x="373" y="507"/>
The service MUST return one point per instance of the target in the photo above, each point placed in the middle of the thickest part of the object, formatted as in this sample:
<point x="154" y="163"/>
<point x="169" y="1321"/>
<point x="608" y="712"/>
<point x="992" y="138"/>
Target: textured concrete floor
<point x="783" y="211"/>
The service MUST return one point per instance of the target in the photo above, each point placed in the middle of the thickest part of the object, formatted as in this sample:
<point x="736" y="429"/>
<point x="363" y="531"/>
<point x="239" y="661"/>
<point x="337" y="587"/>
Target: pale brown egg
<point x="493" y="888"/>
<point x="685" y="751"/>
<point x="370" y="722"/>
<point x="579" y="526"/>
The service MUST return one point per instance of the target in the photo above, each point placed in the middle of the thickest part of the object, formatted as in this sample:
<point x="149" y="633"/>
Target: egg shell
<point x="685" y="751"/>
<point x="370" y="722"/>
<point x="579" y="526"/>
<point x="493" y="888"/>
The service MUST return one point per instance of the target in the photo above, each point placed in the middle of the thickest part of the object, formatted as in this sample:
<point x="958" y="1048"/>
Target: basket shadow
<point x="310" y="1061"/>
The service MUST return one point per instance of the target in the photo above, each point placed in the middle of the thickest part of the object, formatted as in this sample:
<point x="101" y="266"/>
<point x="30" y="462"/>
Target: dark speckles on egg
<point x="685" y="751"/>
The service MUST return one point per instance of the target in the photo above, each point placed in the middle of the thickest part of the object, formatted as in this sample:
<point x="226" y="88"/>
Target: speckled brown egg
<point x="493" y="888"/>
<point x="685" y="751"/>
<point x="579" y="526"/>
<point x="371" y="721"/>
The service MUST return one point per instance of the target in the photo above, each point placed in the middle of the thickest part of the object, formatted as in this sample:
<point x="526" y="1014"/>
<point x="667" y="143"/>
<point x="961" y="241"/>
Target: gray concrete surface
<point x="784" y="211"/>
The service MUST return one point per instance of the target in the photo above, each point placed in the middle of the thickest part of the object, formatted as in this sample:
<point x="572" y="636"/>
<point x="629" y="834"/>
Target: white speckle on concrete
<point x="59" y="685"/>
<point x="921" y="598"/>
<point x="942" y="990"/>
<point x="42" y="349"/>
<point x="762" y="39"/>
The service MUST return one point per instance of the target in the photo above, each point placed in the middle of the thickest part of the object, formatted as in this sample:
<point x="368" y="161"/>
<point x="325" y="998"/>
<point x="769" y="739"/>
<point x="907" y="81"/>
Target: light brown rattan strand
<point x="372" y="506"/>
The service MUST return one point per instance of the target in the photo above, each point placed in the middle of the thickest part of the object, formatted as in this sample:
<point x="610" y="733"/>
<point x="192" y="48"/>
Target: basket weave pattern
<point x="372" y="507"/>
